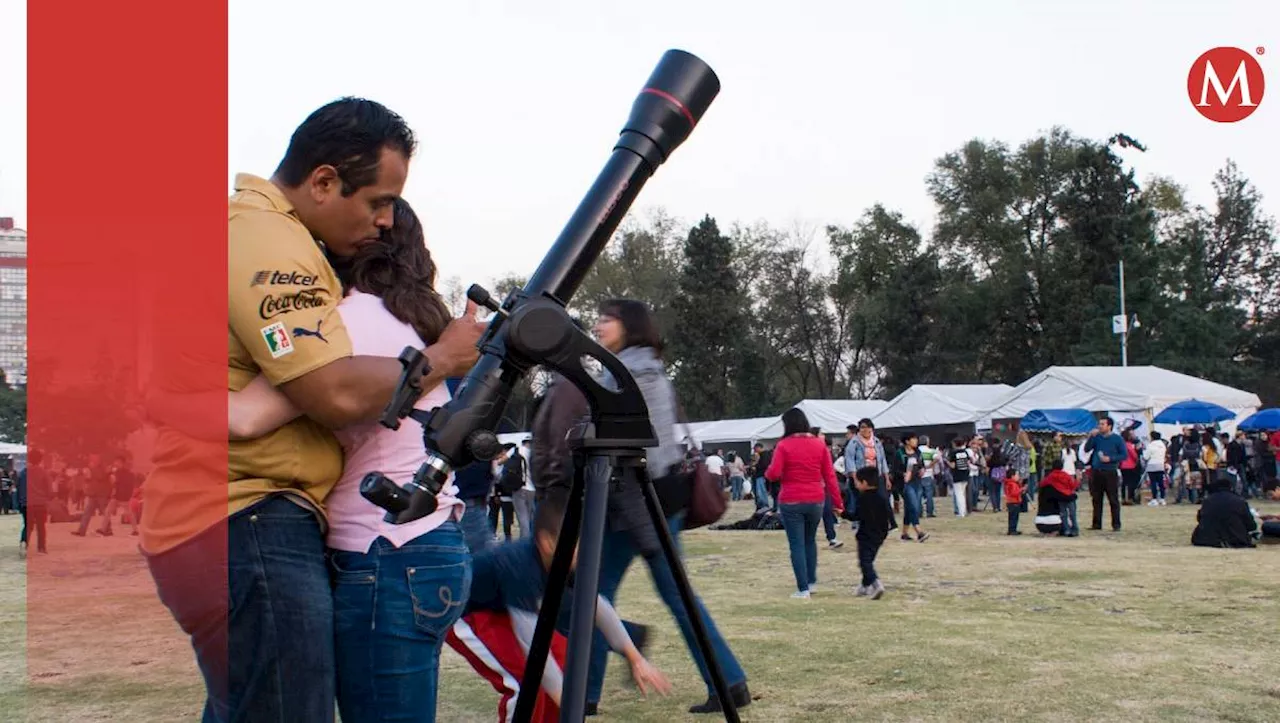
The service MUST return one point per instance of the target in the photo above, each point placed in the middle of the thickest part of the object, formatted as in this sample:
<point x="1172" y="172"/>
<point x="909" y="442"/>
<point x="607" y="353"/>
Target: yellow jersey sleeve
<point x="283" y="297"/>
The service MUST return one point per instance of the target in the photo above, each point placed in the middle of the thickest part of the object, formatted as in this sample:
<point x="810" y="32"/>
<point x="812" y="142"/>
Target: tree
<point x="708" y="324"/>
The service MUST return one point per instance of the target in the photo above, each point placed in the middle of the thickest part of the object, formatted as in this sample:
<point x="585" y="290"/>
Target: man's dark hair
<point x="348" y="134"/>
<point x="869" y="476"/>
<point x="909" y="435"/>
<point x="794" y="422"/>
<point x="1155" y="436"/>
<point x="639" y="324"/>
<point x="1058" y="465"/>
<point x="1110" y="422"/>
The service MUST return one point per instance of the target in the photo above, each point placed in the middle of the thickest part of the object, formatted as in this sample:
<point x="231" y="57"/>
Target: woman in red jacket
<point x="802" y="465"/>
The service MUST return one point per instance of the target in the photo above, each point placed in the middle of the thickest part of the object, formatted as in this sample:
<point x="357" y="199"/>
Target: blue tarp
<point x="1067" y="421"/>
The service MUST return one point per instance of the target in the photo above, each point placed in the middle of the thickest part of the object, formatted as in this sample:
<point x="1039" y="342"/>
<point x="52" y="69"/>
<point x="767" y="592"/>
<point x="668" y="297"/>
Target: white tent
<point x="1137" y="392"/>
<point x="832" y="415"/>
<point x="926" y="405"/>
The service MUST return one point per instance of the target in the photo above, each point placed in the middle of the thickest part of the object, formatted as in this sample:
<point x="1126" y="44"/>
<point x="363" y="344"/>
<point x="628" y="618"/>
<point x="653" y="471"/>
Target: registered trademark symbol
<point x="1262" y="50"/>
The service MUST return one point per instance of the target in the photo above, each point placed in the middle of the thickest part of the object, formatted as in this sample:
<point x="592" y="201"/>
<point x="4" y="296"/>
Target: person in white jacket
<point x="1157" y="469"/>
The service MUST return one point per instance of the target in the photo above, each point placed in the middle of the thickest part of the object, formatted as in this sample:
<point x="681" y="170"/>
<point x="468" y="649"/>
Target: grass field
<point x="1135" y="626"/>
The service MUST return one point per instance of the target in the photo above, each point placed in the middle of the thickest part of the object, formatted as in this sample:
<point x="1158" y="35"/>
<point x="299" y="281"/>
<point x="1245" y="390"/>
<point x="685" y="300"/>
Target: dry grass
<point x="1128" y="627"/>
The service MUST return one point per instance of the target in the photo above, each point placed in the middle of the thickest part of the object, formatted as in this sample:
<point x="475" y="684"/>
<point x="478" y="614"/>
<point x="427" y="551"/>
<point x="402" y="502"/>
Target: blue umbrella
<point x="1262" y="421"/>
<point x="1194" y="411"/>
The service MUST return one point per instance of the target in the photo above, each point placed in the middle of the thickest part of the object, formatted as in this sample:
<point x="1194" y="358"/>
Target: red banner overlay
<point x="127" y="187"/>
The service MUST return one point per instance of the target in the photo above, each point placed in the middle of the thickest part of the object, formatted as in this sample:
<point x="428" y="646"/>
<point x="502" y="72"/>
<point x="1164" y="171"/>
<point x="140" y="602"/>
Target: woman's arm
<point x="776" y="465"/>
<point x="258" y="409"/>
<point x="833" y="489"/>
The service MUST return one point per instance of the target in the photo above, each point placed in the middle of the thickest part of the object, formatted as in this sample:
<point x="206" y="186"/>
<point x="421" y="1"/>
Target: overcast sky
<point x="825" y="107"/>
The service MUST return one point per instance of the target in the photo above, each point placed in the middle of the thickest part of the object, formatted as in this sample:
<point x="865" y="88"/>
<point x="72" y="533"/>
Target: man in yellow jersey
<point x="263" y="631"/>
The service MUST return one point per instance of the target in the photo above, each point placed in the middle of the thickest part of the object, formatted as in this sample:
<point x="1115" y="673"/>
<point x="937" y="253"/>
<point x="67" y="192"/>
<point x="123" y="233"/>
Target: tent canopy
<point x="927" y="405"/>
<point x="832" y="415"/>
<point x="1067" y="421"/>
<point x="1143" y="390"/>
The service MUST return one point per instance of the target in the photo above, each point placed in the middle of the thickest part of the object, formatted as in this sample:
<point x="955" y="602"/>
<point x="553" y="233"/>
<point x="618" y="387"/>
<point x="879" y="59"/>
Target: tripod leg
<point x="557" y="579"/>
<point x="582" y="620"/>
<point x="686" y="596"/>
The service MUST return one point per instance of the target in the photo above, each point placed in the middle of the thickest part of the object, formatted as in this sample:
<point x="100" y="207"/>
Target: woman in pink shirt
<point x="412" y="579"/>
<point x="802" y="465"/>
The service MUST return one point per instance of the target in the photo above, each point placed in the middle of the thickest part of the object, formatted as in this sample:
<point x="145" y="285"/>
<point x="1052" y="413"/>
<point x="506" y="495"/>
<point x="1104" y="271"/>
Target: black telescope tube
<point x="663" y="115"/>
<point x="665" y="112"/>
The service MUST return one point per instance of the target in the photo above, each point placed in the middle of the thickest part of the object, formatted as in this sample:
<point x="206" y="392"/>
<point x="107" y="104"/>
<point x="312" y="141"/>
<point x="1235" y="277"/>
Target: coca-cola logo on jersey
<point x="273" y="306"/>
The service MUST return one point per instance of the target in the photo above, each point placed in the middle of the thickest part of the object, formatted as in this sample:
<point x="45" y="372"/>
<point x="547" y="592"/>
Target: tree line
<point x="1020" y="272"/>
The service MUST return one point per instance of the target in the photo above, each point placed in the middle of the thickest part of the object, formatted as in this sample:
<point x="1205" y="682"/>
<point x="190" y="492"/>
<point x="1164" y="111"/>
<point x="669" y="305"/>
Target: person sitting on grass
<point x="874" y="516"/>
<point x="1013" y="489"/>
<point x="1224" y="519"/>
<point x="496" y="629"/>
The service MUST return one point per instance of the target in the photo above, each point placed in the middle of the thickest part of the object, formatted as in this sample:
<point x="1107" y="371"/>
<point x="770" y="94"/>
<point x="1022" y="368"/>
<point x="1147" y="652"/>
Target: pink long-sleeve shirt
<point x="354" y="522"/>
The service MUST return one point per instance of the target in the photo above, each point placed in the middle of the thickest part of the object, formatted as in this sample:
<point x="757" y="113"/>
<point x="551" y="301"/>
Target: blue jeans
<point x="616" y="559"/>
<point x="1070" y="521"/>
<point x="1014" y="510"/>
<point x="475" y="525"/>
<point x="828" y="520"/>
<point x="930" y="488"/>
<point x="801" y="523"/>
<point x="735" y="488"/>
<point x="389" y="671"/>
<point x="254" y="597"/>
<point x="760" y="494"/>
<point x="911" y="503"/>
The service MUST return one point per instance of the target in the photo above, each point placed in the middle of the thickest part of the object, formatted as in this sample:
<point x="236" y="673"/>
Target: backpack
<point x="512" y="478"/>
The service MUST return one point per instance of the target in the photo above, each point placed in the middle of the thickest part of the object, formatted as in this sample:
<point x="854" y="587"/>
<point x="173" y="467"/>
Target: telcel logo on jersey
<point x="1226" y="84"/>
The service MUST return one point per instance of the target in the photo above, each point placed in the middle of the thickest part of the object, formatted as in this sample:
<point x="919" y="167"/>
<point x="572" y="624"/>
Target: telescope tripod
<point x="598" y="465"/>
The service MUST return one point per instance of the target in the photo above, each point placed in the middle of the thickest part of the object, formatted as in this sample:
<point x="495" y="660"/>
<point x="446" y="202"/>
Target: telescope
<point x="664" y="113"/>
<point x="532" y="328"/>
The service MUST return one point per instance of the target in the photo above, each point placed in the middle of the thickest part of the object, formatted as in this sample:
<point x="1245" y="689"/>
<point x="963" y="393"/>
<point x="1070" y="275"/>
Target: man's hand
<point x="455" y="352"/>
<point x="648" y="676"/>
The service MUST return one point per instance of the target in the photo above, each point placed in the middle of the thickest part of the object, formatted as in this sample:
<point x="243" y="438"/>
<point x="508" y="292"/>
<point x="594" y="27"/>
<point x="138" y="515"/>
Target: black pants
<point x="1132" y="484"/>
<point x="508" y="510"/>
<point x="34" y="516"/>
<point x="1105" y="482"/>
<point x="867" y="550"/>
<point x="1014" y="510"/>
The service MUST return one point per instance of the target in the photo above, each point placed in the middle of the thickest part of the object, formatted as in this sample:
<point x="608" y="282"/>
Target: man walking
<point x="1107" y="450"/>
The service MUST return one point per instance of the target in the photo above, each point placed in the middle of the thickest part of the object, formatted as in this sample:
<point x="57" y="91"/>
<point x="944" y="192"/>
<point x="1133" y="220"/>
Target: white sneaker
<point x="1153" y="503"/>
<point x="1164" y="502"/>
<point x="876" y="590"/>
<point x="813" y="588"/>
<point x="800" y="595"/>
<point x="861" y="591"/>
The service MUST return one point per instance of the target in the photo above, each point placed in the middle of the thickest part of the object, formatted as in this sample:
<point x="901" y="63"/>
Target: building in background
<point x="13" y="302"/>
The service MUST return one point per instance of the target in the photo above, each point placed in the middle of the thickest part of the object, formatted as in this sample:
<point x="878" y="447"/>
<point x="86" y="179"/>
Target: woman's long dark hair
<point x="794" y="422"/>
<point x="639" y="325"/>
<point x="399" y="270"/>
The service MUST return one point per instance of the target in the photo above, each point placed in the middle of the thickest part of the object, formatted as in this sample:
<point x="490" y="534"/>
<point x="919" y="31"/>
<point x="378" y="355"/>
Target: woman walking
<point x="807" y="479"/>
<point x="629" y="330"/>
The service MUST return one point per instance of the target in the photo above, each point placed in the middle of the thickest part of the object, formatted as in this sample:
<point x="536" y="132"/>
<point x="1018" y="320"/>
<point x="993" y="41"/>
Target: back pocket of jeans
<point x="439" y="594"/>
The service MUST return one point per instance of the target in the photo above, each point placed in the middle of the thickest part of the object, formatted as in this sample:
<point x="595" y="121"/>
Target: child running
<point x="874" y="515"/>
<point x="496" y="629"/>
